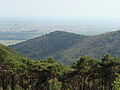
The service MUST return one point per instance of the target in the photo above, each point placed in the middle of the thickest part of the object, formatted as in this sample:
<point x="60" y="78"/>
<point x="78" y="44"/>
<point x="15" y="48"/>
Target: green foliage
<point x="20" y="73"/>
<point x="85" y="63"/>
<point x="117" y="83"/>
<point x="54" y="84"/>
<point x="51" y="60"/>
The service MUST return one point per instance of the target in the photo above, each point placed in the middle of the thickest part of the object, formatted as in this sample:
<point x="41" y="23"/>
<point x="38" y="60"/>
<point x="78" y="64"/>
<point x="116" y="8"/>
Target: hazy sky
<point x="75" y="9"/>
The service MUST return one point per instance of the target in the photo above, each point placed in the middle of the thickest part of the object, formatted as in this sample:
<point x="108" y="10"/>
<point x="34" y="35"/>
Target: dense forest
<point x="67" y="47"/>
<point x="20" y="73"/>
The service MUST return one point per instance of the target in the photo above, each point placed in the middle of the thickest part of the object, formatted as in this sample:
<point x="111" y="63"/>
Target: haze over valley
<point x="12" y="32"/>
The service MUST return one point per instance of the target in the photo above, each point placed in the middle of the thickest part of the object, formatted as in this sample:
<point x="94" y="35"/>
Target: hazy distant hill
<point x="66" y="47"/>
<point x="95" y="46"/>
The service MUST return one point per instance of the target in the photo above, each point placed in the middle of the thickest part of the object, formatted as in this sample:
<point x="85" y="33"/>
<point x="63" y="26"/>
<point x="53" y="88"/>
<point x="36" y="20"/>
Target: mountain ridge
<point x="68" y="47"/>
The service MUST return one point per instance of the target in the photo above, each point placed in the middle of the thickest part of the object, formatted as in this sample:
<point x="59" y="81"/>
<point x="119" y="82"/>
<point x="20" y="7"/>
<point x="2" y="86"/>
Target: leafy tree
<point x="109" y="67"/>
<point x="117" y="83"/>
<point x="54" y="84"/>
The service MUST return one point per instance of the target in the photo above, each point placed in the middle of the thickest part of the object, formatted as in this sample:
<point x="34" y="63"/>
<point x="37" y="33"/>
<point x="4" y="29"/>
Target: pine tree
<point x="117" y="83"/>
<point x="54" y="84"/>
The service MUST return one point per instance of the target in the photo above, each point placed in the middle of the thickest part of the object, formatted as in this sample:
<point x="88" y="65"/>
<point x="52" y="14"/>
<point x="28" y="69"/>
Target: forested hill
<point x="67" y="47"/>
<point x="95" y="46"/>
<point x="20" y="73"/>
<point x="12" y="58"/>
<point x="47" y="45"/>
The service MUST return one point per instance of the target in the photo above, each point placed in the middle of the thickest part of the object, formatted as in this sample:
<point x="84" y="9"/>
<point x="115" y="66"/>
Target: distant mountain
<point x="66" y="47"/>
<point x="95" y="46"/>
<point x="47" y="45"/>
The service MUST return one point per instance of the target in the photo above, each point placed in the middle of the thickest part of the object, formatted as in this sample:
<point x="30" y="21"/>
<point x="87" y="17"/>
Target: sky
<point x="61" y="9"/>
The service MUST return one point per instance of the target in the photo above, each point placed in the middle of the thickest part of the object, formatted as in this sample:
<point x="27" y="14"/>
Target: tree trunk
<point x="13" y="84"/>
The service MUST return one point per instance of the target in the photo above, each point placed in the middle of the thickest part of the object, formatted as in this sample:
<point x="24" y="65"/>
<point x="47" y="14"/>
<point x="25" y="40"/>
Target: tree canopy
<point x="20" y="73"/>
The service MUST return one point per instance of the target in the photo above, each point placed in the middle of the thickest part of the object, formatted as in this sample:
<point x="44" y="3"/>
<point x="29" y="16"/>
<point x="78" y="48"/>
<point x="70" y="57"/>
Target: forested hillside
<point x="67" y="47"/>
<point x="87" y="73"/>
<point x="95" y="46"/>
<point x="20" y="73"/>
<point x="45" y="46"/>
